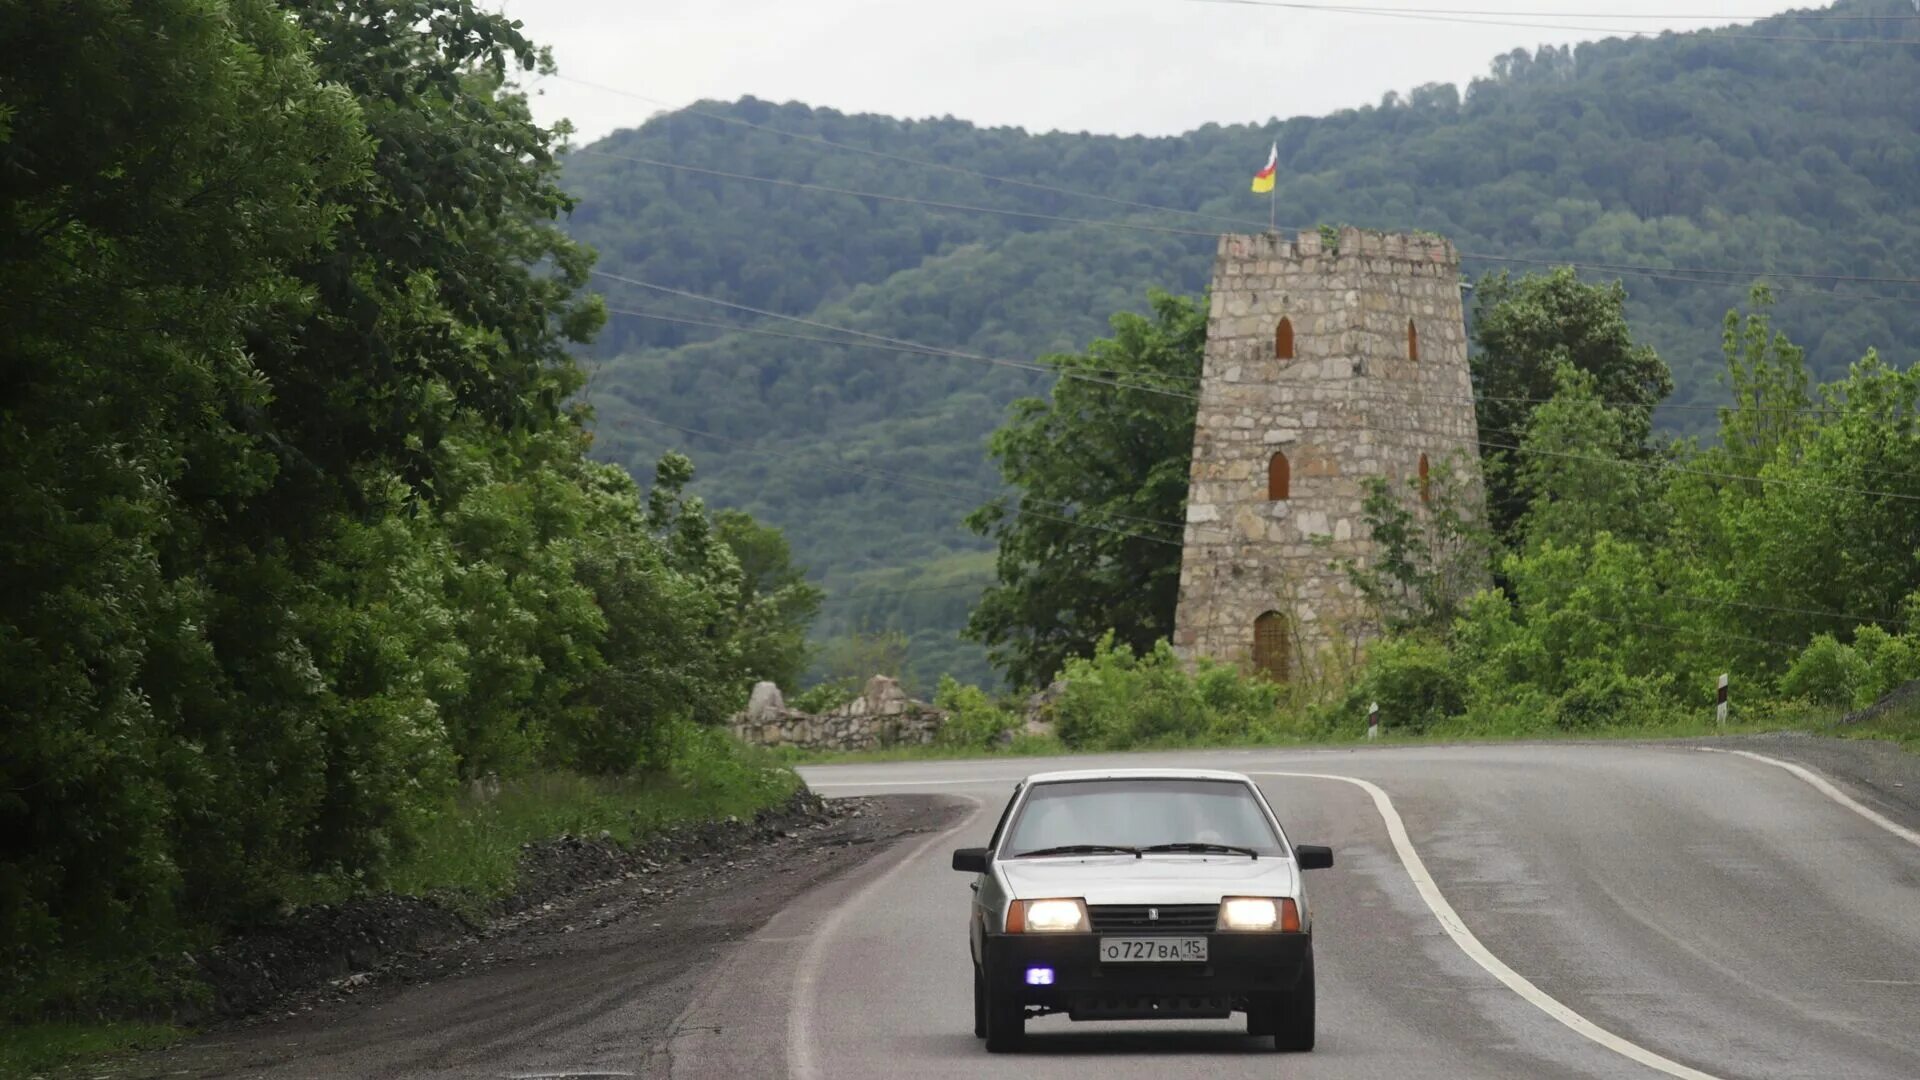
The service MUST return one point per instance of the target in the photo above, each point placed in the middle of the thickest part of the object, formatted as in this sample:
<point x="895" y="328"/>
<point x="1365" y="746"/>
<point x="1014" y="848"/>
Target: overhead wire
<point x="1188" y="380"/>
<point x="902" y="158"/>
<point x="946" y="487"/>
<point x="969" y="490"/>
<point x="1118" y="375"/>
<point x="1732" y="33"/>
<point x="870" y="594"/>
<point x="998" y="361"/>
<point x="1811" y="16"/>
<point x="898" y="343"/>
<point x="1733" y="278"/>
<point x="934" y="203"/>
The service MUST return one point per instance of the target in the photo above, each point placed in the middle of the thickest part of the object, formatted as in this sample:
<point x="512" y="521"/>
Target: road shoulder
<point x="592" y="979"/>
<point x="1882" y="775"/>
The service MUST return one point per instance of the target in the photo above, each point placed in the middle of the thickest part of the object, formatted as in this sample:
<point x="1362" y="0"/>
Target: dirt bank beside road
<point x="578" y="984"/>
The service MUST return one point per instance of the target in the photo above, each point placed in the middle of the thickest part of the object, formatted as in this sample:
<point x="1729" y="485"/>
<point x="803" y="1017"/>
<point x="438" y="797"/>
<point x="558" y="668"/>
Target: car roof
<point x="1136" y="774"/>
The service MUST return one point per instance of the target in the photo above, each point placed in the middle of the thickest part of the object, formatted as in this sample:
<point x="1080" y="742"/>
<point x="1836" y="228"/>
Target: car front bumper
<point x="1239" y="967"/>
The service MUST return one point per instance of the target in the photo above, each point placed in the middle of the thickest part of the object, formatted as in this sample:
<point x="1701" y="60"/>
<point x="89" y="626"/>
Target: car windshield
<point x="1140" y="813"/>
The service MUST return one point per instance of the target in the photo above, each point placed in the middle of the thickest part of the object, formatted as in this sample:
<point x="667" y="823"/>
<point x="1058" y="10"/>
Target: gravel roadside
<point x="610" y="937"/>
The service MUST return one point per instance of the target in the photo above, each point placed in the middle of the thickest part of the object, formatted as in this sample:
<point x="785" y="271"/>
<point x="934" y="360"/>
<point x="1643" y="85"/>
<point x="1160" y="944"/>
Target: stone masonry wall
<point x="1351" y="404"/>
<point x="881" y="716"/>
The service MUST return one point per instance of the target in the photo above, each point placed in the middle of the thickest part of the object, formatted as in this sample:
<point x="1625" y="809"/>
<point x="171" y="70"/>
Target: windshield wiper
<point x="1202" y="847"/>
<point x="1081" y="849"/>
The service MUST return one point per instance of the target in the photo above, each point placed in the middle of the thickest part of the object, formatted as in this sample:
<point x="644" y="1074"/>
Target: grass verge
<point x="469" y="855"/>
<point x="472" y="853"/>
<point x="41" y="1049"/>
<point x="1901" y="726"/>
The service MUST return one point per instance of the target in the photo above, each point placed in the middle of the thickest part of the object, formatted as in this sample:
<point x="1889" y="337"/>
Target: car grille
<point x="1170" y="917"/>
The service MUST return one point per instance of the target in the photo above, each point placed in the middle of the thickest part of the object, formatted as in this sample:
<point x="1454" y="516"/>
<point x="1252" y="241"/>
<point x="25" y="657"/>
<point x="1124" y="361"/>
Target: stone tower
<point x="1326" y="364"/>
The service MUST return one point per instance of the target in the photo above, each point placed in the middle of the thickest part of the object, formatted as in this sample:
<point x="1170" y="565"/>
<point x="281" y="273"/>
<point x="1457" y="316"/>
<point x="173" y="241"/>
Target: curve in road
<point x="1689" y="914"/>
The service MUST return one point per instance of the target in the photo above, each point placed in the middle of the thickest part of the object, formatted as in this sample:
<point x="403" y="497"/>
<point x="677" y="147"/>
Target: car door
<point x="988" y="897"/>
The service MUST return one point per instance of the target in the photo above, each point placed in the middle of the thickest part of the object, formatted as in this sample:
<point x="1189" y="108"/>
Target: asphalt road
<point x="1544" y="911"/>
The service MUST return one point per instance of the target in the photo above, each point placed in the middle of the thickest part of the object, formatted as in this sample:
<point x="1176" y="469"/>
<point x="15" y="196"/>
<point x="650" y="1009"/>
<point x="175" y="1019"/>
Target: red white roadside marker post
<point x="1373" y="721"/>
<point x="1720" y="703"/>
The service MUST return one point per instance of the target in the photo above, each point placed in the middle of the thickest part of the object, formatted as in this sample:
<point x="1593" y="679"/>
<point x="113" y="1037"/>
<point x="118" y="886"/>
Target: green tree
<point x="1581" y="470"/>
<point x="164" y="170"/>
<point x="1524" y="330"/>
<point x="1091" y="543"/>
<point x="669" y="590"/>
<point x="1431" y="549"/>
<point x="296" y="527"/>
<point x="776" y="603"/>
<point x="1829" y="536"/>
<point x="1767" y="377"/>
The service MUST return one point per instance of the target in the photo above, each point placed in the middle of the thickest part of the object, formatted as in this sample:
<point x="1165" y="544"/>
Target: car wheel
<point x="1293" y="1018"/>
<point x="979" y="1004"/>
<point x="1260" y="1014"/>
<point x="1006" y="1021"/>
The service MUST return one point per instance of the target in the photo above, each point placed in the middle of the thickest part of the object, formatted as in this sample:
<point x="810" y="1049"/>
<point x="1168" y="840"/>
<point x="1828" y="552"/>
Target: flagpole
<point x="1273" y="196"/>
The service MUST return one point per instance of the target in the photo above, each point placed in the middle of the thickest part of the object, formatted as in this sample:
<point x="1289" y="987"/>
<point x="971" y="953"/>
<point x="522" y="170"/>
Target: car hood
<point x="1155" y="879"/>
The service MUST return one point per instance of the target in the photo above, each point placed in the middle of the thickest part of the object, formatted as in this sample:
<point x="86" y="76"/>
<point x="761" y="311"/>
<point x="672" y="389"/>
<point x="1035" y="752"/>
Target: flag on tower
<point x="1263" y="180"/>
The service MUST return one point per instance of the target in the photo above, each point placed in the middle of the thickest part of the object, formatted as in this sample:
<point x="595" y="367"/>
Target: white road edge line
<point x="1456" y="929"/>
<point x="1825" y="787"/>
<point x="802" y="1056"/>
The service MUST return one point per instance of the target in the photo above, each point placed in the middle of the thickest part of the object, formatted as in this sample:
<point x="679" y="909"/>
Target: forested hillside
<point x="1747" y="152"/>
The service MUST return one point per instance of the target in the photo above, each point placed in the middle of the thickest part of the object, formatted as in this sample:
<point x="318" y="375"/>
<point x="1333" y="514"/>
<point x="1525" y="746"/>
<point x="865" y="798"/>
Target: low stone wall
<point x="881" y="716"/>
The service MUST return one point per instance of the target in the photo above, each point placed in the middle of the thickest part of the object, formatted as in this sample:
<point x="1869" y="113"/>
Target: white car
<point x="1141" y="894"/>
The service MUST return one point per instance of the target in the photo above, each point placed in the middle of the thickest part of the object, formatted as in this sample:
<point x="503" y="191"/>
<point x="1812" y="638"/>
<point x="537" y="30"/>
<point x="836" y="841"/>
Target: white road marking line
<point x="1824" y="787"/>
<point x="802" y="1055"/>
<point x="1456" y="929"/>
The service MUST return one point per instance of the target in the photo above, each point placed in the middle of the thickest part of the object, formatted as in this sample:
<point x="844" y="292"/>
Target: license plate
<point x="1134" y="950"/>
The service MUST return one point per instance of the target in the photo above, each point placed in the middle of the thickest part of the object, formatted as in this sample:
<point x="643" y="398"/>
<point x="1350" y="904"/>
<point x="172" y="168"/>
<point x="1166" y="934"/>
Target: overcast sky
<point x="1115" y="66"/>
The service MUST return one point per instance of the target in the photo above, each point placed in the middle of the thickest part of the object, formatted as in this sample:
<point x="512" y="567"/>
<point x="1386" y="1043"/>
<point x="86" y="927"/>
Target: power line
<point x="902" y="158"/>
<point x="868" y="594"/>
<point x="904" y="349"/>
<point x="1677" y="631"/>
<point x="1351" y="392"/>
<point x="957" y="354"/>
<point x="1656" y="466"/>
<point x="1682" y="275"/>
<point x="1192" y="380"/>
<point x="945" y="487"/>
<point x="942" y="487"/>
<point x="934" y="203"/>
<point x="1849" y="278"/>
<point x="1817" y="16"/>
<point x="1435" y="16"/>
<point x="898" y="343"/>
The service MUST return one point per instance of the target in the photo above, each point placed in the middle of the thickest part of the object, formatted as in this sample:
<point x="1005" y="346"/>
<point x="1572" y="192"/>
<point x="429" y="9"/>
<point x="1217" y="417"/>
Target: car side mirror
<point x="1313" y="856"/>
<point x="971" y="860"/>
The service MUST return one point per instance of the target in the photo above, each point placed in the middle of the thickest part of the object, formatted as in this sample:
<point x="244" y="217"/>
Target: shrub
<point x="1890" y="661"/>
<point x="1608" y="697"/>
<point x="825" y="696"/>
<point x="1515" y="711"/>
<point x="1826" y="672"/>
<point x="1115" y="700"/>
<point x="1829" y="672"/>
<point x="1417" y="683"/>
<point x="973" y="720"/>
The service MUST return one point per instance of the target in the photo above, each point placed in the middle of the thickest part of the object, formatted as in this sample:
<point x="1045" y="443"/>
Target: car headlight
<point x="1259" y="913"/>
<point x="1046" y="916"/>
